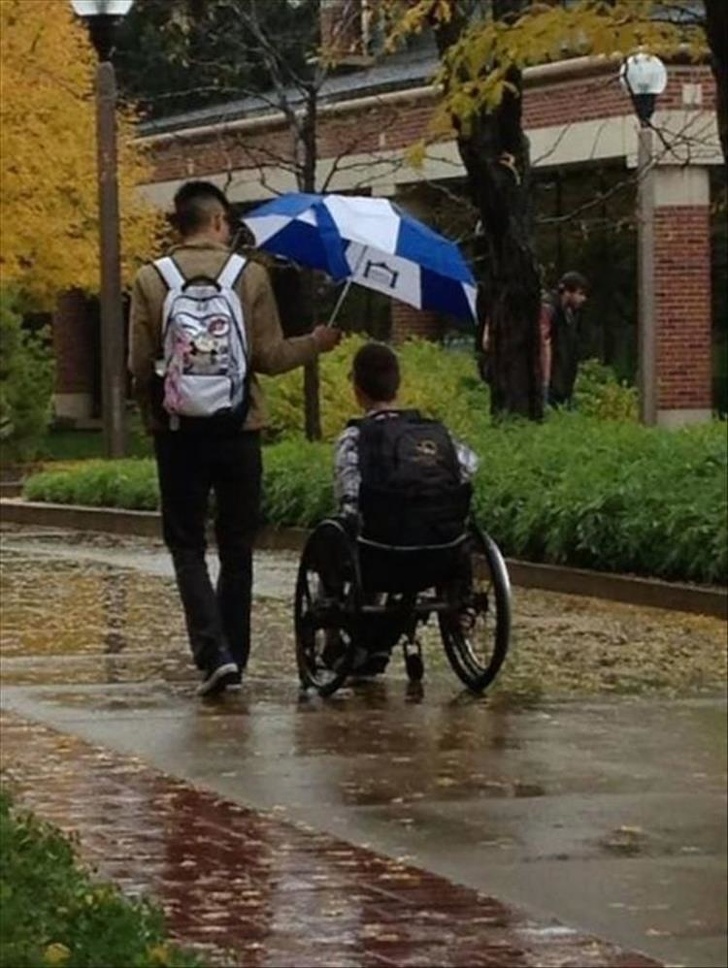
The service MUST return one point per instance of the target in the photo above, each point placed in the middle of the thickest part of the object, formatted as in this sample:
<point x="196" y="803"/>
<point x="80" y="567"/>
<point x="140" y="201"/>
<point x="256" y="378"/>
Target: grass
<point x="53" y="913"/>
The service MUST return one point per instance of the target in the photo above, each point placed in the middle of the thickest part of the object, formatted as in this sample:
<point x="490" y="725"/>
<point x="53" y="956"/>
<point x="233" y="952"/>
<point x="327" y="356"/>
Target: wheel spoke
<point x="475" y="632"/>
<point x="323" y="645"/>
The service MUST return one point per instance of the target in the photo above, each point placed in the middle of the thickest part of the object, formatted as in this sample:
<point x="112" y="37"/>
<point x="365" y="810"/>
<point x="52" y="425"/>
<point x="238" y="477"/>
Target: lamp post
<point x="644" y="77"/>
<point x="101" y="17"/>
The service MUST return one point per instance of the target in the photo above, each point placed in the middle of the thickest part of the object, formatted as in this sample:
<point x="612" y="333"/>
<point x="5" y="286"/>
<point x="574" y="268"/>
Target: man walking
<point x="560" y="338"/>
<point x="203" y="323"/>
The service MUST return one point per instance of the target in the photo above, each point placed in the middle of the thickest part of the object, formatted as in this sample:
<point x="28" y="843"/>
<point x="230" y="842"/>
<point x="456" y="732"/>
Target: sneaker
<point x="236" y="684"/>
<point x="218" y="677"/>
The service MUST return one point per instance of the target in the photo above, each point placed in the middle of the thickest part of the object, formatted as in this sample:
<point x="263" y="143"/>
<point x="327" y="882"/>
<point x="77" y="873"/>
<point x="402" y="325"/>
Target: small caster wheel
<point x="413" y="662"/>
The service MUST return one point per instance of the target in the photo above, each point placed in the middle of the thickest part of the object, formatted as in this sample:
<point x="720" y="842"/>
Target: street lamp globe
<point x="101" y="16"/>
<point x="102" y="8"/>
<point x="643" y="76"/>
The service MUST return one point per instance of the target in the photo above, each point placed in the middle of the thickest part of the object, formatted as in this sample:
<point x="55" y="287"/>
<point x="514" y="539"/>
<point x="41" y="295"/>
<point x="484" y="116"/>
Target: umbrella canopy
<point x="369" y="241"/>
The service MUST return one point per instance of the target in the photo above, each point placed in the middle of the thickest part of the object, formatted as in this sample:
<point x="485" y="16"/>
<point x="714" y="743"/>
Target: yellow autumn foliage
<point x="48" y="191"/>
<point x="474" y="68"/>
<point x="56" y="954"/>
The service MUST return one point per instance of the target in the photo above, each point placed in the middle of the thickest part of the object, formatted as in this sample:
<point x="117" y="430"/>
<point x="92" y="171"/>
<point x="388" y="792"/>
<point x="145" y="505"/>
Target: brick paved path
<point x="256" y="891"/>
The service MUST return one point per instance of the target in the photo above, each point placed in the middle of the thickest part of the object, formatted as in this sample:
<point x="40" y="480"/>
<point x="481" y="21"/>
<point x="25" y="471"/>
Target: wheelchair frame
<point x="332" y="607"/>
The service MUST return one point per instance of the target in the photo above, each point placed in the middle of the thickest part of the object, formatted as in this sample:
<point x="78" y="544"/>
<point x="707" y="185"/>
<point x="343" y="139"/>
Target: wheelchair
<point x="352" y="593"/>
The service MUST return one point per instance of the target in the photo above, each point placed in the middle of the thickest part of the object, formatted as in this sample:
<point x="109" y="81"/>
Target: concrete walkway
<point x="375" y="829"/>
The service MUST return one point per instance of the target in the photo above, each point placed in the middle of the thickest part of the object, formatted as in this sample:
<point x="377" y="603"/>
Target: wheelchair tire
<point x="323" y="618"/>
<point x="476" y="631"/>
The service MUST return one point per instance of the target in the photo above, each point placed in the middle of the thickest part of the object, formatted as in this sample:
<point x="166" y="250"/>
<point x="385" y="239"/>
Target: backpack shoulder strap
<point x="170" y="272"/>
<point x="230" y="272"/>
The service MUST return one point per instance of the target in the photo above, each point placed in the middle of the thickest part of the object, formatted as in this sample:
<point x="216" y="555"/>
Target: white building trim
<point x="692" y="137"/>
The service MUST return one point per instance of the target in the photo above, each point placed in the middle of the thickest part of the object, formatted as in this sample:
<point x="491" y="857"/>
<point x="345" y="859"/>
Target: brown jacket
<point x="269" y="352"/>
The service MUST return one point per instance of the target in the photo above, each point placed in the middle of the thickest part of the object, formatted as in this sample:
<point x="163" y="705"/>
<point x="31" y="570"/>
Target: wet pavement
<point x="251" y="890"/>
<point x="376" y="828"/>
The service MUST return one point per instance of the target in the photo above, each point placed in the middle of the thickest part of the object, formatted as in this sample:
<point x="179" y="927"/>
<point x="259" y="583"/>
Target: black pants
<point x="190" y="467"/>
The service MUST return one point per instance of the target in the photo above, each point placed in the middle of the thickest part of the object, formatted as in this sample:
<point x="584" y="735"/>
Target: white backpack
<point x="205" y="354"/>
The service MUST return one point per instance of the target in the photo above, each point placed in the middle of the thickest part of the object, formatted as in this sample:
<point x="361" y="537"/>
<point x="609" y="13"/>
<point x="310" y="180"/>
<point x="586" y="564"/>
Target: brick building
<point x="576" y="116"/>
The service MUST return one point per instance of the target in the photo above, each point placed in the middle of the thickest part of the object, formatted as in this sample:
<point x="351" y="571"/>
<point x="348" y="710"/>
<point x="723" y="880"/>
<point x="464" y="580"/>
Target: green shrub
<point x="130" y="483"/>
<point x="598" y="393"/>
<point x="589" y="487"/>
<point x="574" y="490"/>
<point x="610" y="496"/>
<point x="441" y="383"/>
<point x="52" y="913"/>
<point x="26" y="385"/>
<point x="297" y="483"/>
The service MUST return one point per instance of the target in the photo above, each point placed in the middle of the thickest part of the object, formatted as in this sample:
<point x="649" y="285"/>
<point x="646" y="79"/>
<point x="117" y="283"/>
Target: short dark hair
<point x="375" y="371"/>
<point x="194" y="205"/>
<point x="572" y="282"/>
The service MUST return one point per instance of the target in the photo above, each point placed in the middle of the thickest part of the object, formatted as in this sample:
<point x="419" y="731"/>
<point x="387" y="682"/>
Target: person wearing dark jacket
<point x="559" y="325"/>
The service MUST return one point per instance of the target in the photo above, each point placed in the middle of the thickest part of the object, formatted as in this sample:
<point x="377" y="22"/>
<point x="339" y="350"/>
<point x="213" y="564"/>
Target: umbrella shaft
<point x="339" y="301"/>
<point x="342" y="294"/>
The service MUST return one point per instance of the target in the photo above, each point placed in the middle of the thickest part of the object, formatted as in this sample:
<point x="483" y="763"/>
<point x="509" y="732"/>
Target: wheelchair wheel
<point x="475" y="632"/>
<point x="326" y="607"/>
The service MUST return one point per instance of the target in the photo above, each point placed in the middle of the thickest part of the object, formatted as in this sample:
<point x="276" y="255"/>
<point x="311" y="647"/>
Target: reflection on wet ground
<point x="251" y="890"/>
<point x="607" y="815"/>
<point x="120" y="592"/>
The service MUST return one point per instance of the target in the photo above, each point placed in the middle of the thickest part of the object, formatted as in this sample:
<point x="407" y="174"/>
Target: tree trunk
<point x="716" y="29"/>
<point x="495" y="154"/>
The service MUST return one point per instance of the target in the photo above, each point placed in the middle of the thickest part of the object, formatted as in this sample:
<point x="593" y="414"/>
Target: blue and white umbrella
<point x="369" y="241"/>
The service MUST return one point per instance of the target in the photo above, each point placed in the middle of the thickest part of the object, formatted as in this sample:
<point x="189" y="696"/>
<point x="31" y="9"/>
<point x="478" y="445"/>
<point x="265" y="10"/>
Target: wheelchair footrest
<point x="413" y="662"/>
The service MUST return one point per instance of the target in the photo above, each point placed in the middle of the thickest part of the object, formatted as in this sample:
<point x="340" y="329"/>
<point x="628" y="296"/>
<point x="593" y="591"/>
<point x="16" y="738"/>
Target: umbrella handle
<point x="339" y="301"/>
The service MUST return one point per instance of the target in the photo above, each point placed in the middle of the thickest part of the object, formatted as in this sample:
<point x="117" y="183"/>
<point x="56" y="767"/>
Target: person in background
<point x="559" y="327"/>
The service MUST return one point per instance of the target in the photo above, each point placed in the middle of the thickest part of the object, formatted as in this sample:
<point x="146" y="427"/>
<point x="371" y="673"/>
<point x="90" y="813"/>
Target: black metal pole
<point x="113" y="381"/>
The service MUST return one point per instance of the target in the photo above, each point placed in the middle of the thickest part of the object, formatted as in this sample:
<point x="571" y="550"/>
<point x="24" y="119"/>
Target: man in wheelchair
<point x="402" y="485"/>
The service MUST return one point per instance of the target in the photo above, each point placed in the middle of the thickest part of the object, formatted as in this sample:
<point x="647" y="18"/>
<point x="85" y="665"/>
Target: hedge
<point x="441" y="383"/>
<point x="575" y="490"/>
